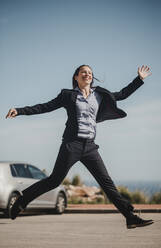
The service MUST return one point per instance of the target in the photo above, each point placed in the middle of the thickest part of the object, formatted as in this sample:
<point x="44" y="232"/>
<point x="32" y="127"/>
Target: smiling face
<point x="84" y="77"/>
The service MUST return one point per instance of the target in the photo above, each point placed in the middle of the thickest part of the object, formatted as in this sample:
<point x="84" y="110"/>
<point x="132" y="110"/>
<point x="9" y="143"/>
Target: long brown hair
<point x="75" y="83"/>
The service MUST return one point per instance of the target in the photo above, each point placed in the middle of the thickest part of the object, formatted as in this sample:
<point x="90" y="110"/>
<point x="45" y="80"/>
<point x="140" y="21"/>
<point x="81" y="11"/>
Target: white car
<point x="16" y="176"/>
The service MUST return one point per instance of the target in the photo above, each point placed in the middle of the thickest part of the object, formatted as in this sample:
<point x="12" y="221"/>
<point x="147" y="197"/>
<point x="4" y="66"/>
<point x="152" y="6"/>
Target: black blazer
<point x="67" y="98"/>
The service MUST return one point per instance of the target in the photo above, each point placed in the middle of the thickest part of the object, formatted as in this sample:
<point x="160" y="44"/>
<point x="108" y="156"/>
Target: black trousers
<point x="85" y="151"/>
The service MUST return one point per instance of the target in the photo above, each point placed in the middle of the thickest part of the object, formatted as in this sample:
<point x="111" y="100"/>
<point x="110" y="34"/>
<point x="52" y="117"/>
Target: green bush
<point x="124" y="191"/>
<point x="100" y="200"/>
<point x="76" y="181"/>
<point x="75" y="200"/>
<point x="156" y="198"/>
<point x="138" y="197"/>
<point x="66" y="181"/>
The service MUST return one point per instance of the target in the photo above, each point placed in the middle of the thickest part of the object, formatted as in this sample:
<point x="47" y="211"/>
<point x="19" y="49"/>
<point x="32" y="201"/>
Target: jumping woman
<point x="85" y="105"/>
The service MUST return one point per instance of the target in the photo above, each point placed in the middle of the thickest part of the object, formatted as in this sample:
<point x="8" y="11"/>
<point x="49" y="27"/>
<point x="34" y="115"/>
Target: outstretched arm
<point x="38" y="108"/>
<point x="143" y="72"/>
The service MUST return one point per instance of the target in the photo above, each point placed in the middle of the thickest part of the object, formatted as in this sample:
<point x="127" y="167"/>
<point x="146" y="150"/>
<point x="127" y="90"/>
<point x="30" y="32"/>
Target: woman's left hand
<point x="144" y="72"/>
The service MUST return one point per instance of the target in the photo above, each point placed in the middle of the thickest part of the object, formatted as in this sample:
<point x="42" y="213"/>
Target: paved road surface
<point x="78" y="231"/>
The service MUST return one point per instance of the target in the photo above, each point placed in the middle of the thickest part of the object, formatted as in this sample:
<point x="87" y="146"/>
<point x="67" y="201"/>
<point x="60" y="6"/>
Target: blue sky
<point x="43" y="42"/>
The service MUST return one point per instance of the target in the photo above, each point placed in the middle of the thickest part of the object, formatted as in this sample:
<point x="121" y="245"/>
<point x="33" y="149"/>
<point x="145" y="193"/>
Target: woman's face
<point x="84" y="77"/>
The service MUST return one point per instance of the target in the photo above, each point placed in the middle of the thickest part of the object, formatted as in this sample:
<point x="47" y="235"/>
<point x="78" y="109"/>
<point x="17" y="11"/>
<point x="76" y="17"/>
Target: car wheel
<point x="60" y="205"/>
<point x="12" y="199"/>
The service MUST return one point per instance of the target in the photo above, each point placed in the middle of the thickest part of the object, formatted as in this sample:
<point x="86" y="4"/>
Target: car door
<point x="23" y="179"/>
<point x="46" y="199"/>
<point x="21" y="176"/>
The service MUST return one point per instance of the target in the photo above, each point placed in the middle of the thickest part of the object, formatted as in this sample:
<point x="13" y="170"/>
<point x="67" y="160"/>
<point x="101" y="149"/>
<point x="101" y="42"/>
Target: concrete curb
<point x="110" y="208"/>
<point x="102" y="211"/>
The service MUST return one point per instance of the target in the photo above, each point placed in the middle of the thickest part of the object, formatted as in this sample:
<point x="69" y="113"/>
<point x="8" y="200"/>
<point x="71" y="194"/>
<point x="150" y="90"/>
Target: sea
<point x="147" y="187"/>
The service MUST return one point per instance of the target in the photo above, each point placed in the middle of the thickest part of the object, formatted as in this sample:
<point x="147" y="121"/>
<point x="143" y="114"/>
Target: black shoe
<point x="16" y="208"/>
<point x="135" y="221"/>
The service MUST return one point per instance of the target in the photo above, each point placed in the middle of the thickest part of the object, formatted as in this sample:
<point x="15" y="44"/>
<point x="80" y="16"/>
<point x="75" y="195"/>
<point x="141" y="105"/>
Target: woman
<point x="85" y="105"/>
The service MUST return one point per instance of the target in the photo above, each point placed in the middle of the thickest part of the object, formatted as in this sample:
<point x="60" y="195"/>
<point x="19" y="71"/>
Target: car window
<point x="13" y="171"/>
<point x="20" y="170"/>
<point x="36" y="173"/>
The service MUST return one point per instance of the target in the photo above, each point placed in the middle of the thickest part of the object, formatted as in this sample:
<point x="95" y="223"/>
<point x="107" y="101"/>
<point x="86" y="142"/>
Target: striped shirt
<point x="87" y="109"/>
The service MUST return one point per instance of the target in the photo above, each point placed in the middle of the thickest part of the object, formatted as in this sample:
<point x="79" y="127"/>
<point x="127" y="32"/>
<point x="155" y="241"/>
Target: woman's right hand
<point x="11" y="113"/>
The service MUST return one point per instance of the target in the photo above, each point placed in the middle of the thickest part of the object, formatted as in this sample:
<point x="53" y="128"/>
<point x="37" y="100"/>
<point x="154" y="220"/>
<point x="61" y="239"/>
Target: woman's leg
<point x="93" y="161"/>
<point x="65" y="159"/>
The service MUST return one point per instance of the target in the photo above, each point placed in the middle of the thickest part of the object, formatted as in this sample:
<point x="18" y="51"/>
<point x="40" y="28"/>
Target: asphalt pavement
<point x="78" y="231"/>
